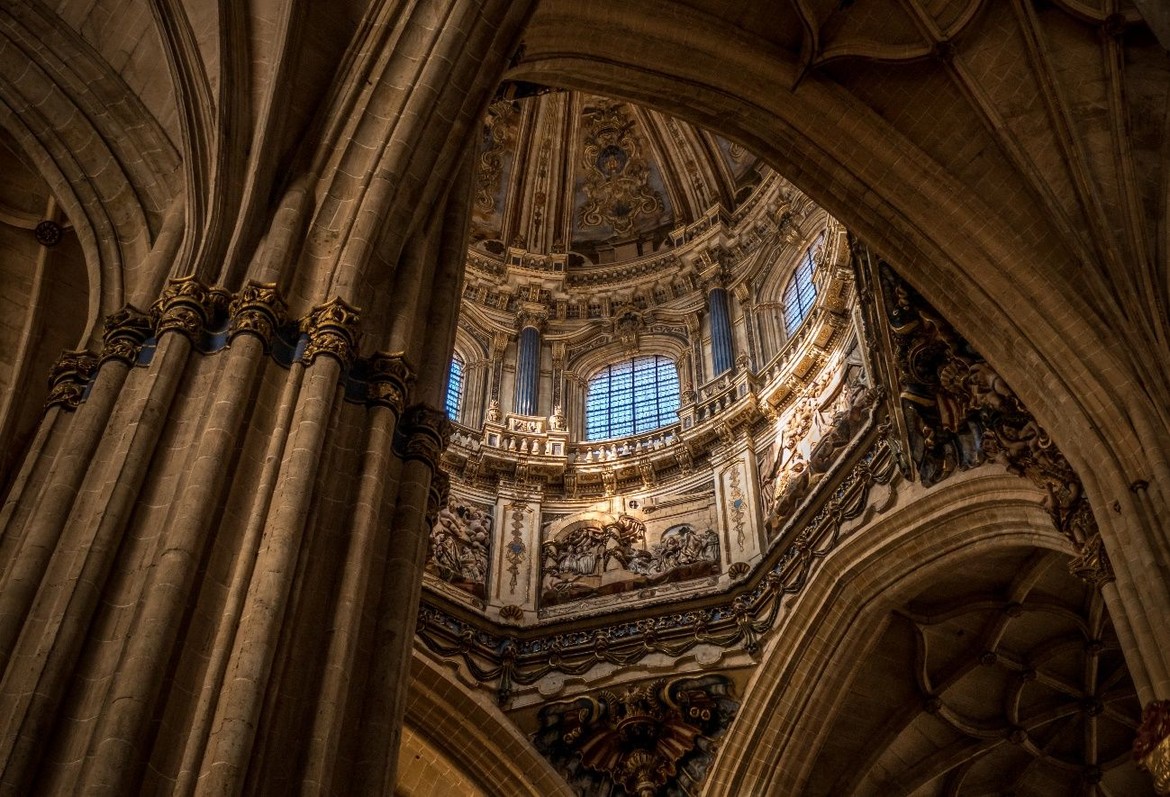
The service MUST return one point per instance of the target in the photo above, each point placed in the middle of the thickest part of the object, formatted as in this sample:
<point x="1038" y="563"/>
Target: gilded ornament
<point x="638" y="741"/>
<point x="186" y="306"/>
<point x="123" y="334"/>
<point x="68" y="378"/>
<point x="961" y="413"/>
<point x="332" y="329"/>
<point x="1091" y="564"/>
<point x="390" y="380"/>
<point x="258" y="310"/>
<point x="1151" y="748"/>
<point x="423" y="434"/>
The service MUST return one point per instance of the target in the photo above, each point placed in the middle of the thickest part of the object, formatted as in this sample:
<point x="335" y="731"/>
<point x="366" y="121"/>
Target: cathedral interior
<point x="554" y="397"/>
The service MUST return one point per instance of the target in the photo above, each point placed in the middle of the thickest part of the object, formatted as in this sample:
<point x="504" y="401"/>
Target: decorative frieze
<point x="68" y="378"/>
<point x="743" y="617"/>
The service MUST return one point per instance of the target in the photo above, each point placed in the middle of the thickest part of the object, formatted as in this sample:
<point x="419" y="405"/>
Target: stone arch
<point x="467" y="728"/>
<point x="105" y="158"/>
<point x="795" y="694"/>
<point x="1005" y="264"/>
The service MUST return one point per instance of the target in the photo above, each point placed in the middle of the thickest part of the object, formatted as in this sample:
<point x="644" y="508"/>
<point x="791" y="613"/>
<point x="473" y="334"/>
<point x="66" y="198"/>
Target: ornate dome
<point x="595" y="180"/>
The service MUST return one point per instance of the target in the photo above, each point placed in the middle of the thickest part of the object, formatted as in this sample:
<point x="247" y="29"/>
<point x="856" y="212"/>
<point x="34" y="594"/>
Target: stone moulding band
<point x="740" y="618"/>
<point x="213" y="317"/>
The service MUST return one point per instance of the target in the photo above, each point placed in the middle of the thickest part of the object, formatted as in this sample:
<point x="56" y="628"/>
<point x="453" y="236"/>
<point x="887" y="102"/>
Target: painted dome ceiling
<point x="596" y="179"/>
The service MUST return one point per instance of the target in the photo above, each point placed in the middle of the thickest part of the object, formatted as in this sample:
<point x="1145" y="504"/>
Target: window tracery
<point x="454" y="401"/>
<point x="801" y="292"/>
<point x="630" y="397"/>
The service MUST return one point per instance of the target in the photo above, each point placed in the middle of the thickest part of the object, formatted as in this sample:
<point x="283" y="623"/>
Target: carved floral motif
<point x="422" y="434"/>
<point x="68" y="378"/>
<point x="187" y="306"/>
<point x="123" y="335"/>
<point x="960" y="413"/>
<point x="258" y="310"/>
<point x="645" y="740"/>
<point x="389" y="381"/>
<point x="332" y="329"/>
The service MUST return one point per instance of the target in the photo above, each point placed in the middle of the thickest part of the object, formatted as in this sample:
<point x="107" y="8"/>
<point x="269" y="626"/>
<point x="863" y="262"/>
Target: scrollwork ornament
<point x="258" y="309"/>
<point x="332" y="329"/>
<point x="68" y="378"/>
<point x="1151" y="748"/>
<point x="390" y="380"/>
<point x="123" y="334"/>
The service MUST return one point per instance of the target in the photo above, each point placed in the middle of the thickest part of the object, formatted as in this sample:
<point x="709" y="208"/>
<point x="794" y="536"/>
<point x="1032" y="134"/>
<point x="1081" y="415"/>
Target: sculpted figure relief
<point x="607" y="555"/>
<point x="459" y="544"/>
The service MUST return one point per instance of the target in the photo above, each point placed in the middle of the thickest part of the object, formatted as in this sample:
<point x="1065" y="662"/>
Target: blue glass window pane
<point x="632" y="397"/>
<point x="801" y="292"/>
<point x="455" y="389"/>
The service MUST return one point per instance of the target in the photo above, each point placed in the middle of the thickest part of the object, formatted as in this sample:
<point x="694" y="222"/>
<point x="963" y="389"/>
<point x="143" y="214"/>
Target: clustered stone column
<point x="213" y="550"/>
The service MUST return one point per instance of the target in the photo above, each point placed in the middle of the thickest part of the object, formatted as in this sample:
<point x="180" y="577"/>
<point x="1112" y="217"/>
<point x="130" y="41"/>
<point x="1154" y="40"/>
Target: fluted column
<point x="528" y="362"/>
<point x="722" y="349"/>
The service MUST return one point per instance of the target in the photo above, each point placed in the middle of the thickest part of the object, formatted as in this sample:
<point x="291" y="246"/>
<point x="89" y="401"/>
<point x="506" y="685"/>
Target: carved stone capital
<point x="1092" y="564"/>
<point x="1151" y="748"/>
<point x="123" y="335"/>
<point x="258" y="309"/>
<point x="186" y="306"/>
<point x="532" y="317"/>
<point x="423" y="433"/>
<point x="390" y="380"/>
<point x="68" y="378"/>
<point x="332" y="328"/>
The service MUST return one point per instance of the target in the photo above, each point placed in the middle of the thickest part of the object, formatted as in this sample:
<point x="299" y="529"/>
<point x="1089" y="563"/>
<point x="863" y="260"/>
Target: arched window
<point x="631" y="397"/>
<point x="800" y="293"/>
<point x="455" y="388"/>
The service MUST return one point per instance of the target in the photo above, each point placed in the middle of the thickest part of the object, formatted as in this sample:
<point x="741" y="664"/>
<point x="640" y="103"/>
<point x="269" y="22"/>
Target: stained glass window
<point x="800" y="293"/>
<point x="455" y="388"/>
<point x="631" y="397"/>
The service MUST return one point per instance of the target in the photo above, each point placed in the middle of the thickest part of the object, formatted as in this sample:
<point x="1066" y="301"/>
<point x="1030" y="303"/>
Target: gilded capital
<point x="332" y="328"/>
<point x="423" y="434"/>
<point x="186" y="306"/>
<point x="123" y="334"/>
<point x="68" y="378"/>
<point x="258" y="309"/>
<point x="532" y="317"/>
<point x="390" y="380"/>
<point x="1151" y="748"/>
